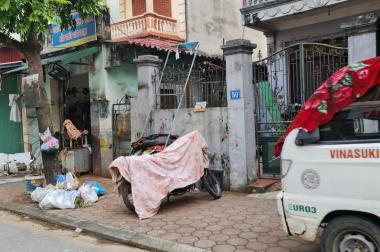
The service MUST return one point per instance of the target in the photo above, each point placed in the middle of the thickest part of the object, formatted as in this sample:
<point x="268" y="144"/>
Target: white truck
<point x="331" y="181"/>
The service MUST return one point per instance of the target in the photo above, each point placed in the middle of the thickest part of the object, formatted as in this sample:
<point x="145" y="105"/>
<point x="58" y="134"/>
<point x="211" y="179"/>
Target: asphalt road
<point x="18" y="234"/>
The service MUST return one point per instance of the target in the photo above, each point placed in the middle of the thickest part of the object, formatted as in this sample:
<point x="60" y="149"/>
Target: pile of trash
<point x="67" y="193"/>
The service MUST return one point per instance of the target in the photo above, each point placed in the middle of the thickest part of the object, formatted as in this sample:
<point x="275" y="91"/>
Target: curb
<point x="106" y="232"/>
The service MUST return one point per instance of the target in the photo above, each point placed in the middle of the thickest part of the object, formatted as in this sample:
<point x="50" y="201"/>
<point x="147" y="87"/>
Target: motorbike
<point x="154" y="144"/>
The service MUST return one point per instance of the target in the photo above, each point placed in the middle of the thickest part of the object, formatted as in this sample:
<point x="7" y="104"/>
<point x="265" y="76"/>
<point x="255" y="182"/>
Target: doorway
<point x="76" y="102"/>
<point x="10" y="132"/>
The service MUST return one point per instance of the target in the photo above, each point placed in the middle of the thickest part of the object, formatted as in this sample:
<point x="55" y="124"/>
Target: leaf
<point x="347" y="80"/>
<point x="4" y="5"/>
<point x="335" y="86"/>
<point x="323" y="107"/>
<point x="357" y="66"/>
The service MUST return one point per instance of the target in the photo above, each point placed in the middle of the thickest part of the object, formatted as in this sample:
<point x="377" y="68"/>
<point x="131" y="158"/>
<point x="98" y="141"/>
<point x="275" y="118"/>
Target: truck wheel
<point x="351" y="233"/>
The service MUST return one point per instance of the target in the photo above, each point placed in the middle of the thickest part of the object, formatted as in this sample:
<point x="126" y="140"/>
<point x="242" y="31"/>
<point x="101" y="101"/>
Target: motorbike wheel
<point x="211" y="184"/>
<point x="126" y="193"/>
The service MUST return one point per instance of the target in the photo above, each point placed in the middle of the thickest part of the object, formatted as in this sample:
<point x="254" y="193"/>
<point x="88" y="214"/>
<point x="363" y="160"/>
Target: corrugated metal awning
<point x="64" y="59"/>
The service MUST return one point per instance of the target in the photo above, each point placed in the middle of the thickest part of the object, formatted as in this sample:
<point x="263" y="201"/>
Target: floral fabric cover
<point x="152" y="177"/>
<point x="342" y="89"/>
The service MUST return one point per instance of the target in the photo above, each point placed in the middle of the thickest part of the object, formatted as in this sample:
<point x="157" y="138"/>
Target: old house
<point x="209" y="22"/>
<point x="307" y="41"/>
<point x="164" y="25"/>
<point x="95" y="82"/>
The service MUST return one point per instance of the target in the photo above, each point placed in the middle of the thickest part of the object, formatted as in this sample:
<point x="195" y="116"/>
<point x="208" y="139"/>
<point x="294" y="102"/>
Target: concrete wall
<point x="179" y="14"/>
<point x="128" y="9"/>
<point x="114" y="7"/>
<point x="121" y="81"/>
<point x="212" y="22"/>
<point x="325" y="30"/>
<point x="107" y="87"/>
<point x="309" y="33"/>
<point x="212" y="124"/>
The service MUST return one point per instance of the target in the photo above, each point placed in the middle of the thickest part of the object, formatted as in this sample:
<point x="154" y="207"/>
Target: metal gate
<point x="10" y="132"/>
<point x="121" y="128"/>
<point x="282" y="83"/>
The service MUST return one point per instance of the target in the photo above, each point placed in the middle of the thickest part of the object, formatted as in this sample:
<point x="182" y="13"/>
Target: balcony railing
<point x="146" y="23"/>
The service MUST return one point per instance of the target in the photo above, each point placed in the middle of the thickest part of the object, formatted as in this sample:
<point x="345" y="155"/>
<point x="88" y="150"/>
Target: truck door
<point x="346" y="161"/>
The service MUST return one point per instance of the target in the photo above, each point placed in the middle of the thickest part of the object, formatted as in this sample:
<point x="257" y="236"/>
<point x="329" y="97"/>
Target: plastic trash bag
<point x="67" y="182"/>
<point x="88" y="194"/>
<point x="39" y="194"/>
<point x="96" y="186"/>
<point x="59" y="199"/>
<point x="60" y="179"/>
<point x="49" y="143"/>
<point x="46" y="135"/>
<point x="71" y="182"/>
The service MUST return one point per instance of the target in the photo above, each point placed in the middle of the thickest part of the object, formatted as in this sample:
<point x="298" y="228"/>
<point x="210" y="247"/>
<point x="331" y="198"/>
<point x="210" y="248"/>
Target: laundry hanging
<point x="15" y="115"/>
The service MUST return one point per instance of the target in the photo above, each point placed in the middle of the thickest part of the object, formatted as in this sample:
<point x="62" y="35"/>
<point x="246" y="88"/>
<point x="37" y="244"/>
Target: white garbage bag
<point x="59" y="199"/>
<point x="39" y="194"/>
<point x="71" y="182"/>
<point x="88" y="194"/>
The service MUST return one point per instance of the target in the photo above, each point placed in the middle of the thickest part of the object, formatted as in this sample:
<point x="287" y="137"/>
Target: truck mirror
<point x="304" y="138"/>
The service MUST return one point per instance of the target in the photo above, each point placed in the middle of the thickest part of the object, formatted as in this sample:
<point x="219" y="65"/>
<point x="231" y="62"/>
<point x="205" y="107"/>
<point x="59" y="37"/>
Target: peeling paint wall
<point x="179" y="14"/>
<point x="213" y="21"/>
<point x="107" y="87"/>
<point x="212" y="124"/>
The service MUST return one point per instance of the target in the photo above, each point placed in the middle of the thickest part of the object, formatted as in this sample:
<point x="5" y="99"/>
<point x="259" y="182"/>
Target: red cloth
<point x="337" y="92"/>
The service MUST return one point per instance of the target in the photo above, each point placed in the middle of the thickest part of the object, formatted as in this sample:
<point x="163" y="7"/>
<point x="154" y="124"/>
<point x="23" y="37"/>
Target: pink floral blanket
<point x="152" y="177"/>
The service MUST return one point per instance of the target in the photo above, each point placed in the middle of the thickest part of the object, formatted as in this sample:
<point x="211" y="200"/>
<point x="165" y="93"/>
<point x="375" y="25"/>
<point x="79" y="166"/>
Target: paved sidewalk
<point x="236" y="222"/>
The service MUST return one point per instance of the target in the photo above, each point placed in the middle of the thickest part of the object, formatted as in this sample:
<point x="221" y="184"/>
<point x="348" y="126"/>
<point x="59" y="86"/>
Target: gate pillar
<point x="241" y="121"/>
<point x="147" y="75"/>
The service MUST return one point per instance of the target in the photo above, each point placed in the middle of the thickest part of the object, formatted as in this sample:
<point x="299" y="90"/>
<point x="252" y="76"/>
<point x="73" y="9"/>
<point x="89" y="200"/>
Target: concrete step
<point x="262" y="185"/>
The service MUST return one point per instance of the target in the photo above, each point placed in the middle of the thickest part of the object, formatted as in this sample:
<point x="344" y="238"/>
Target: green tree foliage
<point x="25" y="23"/>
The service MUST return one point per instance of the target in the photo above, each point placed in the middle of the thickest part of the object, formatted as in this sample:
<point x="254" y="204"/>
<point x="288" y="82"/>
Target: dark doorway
<point x="76" y="102"/>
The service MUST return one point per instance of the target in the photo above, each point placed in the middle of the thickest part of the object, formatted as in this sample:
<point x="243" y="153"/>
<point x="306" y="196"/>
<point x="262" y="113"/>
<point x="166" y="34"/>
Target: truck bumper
<point x="281" y="212"/>
<point x="304" y="228"/>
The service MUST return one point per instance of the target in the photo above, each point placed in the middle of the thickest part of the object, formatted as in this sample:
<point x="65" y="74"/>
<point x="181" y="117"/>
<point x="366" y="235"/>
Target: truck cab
<point x="331" y="181"/>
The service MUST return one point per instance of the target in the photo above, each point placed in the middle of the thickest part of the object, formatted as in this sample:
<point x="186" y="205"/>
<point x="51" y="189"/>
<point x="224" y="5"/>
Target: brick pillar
<point x="147" y="76"/>
<point x="241" y="123"/>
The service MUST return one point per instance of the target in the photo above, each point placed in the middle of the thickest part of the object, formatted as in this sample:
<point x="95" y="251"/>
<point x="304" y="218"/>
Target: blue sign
<point x="85" y="32"/>
<point x="235" y="94"/>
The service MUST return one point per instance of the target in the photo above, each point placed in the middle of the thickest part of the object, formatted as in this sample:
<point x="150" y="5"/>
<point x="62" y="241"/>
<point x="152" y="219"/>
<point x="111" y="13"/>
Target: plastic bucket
<point x="32" y="182"/>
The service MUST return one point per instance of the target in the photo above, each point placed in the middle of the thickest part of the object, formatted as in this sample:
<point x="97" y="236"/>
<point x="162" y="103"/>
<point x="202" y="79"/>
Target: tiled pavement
<point x="233" y="223"/>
